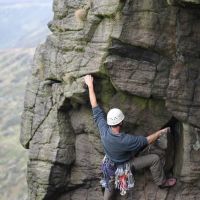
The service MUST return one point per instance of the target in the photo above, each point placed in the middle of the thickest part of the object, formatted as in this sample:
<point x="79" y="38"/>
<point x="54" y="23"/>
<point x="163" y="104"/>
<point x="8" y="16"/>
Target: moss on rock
<point x="156" y="106"/>
<point x="106" y="91"/>
<point x="125" y="98"/>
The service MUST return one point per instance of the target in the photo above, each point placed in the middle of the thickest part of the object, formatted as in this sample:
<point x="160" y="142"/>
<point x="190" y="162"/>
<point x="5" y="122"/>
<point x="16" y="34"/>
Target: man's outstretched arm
<point x="89" y="82"/>
<point x="98" y="113"/>
<point x="153" y="137"/>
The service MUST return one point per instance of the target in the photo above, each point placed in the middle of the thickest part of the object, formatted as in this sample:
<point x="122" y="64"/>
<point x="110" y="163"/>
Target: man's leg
<point x="154" y="163"/>
<point x="109" y="195"/>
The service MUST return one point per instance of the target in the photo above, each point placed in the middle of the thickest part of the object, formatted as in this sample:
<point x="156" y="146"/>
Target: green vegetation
<point x="13" y="168"/>
<point x="156" y="106"/>
<point x="124" y="97"/>
<point x="107" y="91"/>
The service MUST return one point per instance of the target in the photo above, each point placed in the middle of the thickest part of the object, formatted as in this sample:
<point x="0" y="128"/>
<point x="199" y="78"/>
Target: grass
<point x="12" y="167"/>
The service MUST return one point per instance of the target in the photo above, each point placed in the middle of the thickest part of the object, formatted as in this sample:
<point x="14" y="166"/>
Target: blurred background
<point x="23" y="26"/>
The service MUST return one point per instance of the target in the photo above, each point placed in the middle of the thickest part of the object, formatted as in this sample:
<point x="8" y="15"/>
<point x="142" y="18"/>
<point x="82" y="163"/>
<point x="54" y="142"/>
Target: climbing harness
<point x="120" y="174"/>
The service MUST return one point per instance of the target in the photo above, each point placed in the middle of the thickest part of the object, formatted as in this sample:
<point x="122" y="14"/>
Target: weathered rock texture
<point x="145" y="58"/>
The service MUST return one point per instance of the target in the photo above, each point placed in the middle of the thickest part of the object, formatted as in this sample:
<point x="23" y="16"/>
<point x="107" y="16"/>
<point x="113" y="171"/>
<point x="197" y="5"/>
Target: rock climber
<point x="119" y="148"/>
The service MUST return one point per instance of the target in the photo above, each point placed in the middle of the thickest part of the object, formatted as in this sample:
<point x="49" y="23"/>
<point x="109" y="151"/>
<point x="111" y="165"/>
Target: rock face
<point x="145" y="58"/>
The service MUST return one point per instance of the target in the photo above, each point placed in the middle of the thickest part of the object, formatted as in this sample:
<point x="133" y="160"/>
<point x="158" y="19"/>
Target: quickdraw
<point x="108" y="168"/>
<point x="124" y="179"/>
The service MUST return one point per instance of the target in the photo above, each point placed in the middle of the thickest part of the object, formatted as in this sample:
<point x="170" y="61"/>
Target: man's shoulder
<point x="97" y="108"/>
<point x="126" y="137"/>
<point x="130" y="137"/>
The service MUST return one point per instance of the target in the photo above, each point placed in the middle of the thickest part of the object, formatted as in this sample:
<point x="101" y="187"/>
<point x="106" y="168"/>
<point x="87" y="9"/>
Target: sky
<point x="24" y="22"/>
<point x="23" y="1"/>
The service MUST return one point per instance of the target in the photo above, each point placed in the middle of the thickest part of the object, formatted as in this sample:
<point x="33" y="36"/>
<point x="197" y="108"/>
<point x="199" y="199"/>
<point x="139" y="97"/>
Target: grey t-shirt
<point x="118" y="147"/>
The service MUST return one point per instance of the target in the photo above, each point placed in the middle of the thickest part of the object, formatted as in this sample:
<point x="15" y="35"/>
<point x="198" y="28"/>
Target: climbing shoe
<point x="170" y="182"/>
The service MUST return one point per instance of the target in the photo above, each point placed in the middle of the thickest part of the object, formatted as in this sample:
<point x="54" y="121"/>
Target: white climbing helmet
<point x="114" y="117"/>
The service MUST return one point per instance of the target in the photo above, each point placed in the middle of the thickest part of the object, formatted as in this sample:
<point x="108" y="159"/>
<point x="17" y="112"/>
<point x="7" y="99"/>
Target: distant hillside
<point x="13" y="169"/>
<point x="23" y="23"/>
<point x="15" y="66"/>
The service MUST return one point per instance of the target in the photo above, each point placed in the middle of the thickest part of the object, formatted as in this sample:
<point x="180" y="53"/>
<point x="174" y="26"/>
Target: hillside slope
<point x="14" y="69"/>
<point x="23" y="26"/>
